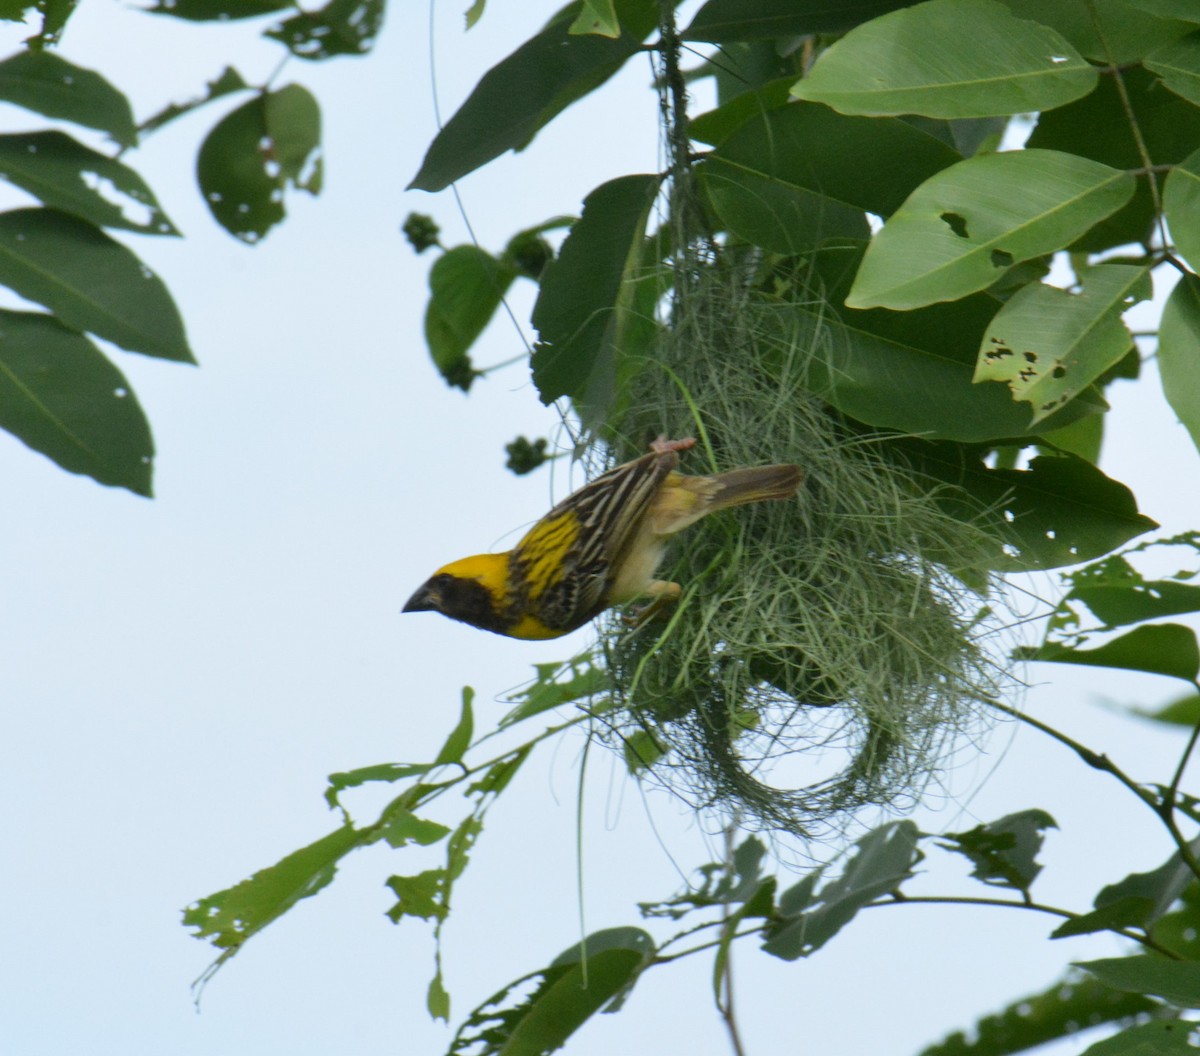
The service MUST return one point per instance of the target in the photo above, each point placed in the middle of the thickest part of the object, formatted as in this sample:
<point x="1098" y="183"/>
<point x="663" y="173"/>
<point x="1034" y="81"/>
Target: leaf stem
<point x="1037" y="907"/>
<point x="1163" y="807"/>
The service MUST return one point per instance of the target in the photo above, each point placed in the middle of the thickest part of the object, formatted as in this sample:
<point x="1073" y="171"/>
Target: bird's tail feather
<point x="755" y="484"/>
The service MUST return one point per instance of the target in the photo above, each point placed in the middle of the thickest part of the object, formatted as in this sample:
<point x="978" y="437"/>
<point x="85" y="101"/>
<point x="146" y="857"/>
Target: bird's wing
<point x="598" y="524"/>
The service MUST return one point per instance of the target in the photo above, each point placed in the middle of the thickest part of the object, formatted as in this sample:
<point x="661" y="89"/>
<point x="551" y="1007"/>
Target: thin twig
<point x="1037" y="907"/>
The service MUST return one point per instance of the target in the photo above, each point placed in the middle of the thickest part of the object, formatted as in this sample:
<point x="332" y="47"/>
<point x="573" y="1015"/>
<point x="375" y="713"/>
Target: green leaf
<point x="341" y="27"/>
<point x="909" y="371"/>
<point x="1097" y="127"/>
<point x="66" y="175"/>
<point x="1083" y="437"/>
<point x="1178" y="64"/>
<point x="230" y="917"/>
<point x="715" y="126"/>
<point x="437" y="1000"/>
<point x="1185" y="711"/>
<point x="466" y="286"/>
<point x="1161" y="649"/>
<point x="1004" y="852"/>
<point x="1057" y="1012"/>
<point x="884" y="859"/>
<point x="460" y="737"/>
<point x="1049" y="344"/>
<point x="948" y="58"/>
<point x="550" y="689"/>
<point x="385" y="772"/>
<point x="1179" y="353"/>
<point x="1184" y="9"/>
<point x="1169" y="1038"/>
<point x="60" y="396"/>
<point x="253" y="154"/>
<point x="597" y="16"/>
<point x="403" y="827"/>
<point x="800" y="174"/>
<point x="421" y="896"/>
<point x="226" y="83"/>
<point x="90" y="282"/>
<point x="218" y="10"/>
<point x="1177" y="982"/>
<point x="1126" y="34"/>
<point x="1139" y="900"/>
<point x="475" y="12"/>
<point x="585" y="310"/>
<point x="723" y="21"/>
<point x="567" y="993"/>
<point x="41" y="81"/>
<point x="1057" y="511"/>
<point x="1117" y="594"/>
<point x="54" y="18"/>
<point x="524" y="92"/>
<point x="961" y="229"/>
<point x="1181" y="206"/>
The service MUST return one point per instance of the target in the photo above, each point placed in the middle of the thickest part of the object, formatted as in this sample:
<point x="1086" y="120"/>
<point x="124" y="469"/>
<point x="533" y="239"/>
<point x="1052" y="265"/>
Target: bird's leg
<point x="662" y="594"/>
<point x="662" y="445"/>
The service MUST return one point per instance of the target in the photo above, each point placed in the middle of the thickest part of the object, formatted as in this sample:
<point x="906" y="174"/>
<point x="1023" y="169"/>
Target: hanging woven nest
<point x="826" y="650"/>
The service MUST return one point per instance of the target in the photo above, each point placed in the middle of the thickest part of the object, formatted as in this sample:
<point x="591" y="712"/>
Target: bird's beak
<point x="424" y="600"/>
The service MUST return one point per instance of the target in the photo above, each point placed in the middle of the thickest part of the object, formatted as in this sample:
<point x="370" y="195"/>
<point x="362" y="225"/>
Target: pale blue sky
<point x="181" y="674"/>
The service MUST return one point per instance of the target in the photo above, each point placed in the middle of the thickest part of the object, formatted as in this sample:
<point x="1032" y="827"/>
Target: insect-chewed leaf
<point x="884" y="859"/>
<point x="565" y="996"/>
<point x="66" y="175"/>
<point x="1004" y="852"/>
<point x="964" y="227"/>
<point x="1049" y="344"/>
<point x="1159" y="649"/>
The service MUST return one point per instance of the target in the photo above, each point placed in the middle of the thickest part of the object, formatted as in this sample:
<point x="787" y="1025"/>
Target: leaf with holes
<point x="906" y="371"/>
<point x="61" y="397"/>
<point x="1181" y="206"/>
<point x="527" y="90"/>
<point x="964" y="227"/>
<point x="42" y="82"/>
<point x="883" y="859"/>
<point x="948" y="58"/>
<point x="1178" y="64"/>
<point x="566" y="993"/>
<point x="218" y="10"/>
<point x="1179" y="353"/>
<point x="341" y="27"/>
<point x="227" y="82"/>
<point x="1054" y="1013"/>
<point x="1049" y="344"/>
<point x="90" y="282"/>
<point x="1057" y="511"/>
<point x="1158" y="648"/>
<point x="66" y="175"/>
<point x="254" y="153"/>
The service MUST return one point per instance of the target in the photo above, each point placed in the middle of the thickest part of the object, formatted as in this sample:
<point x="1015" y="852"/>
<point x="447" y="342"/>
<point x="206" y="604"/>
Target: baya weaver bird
<point x="597" y="548"/>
